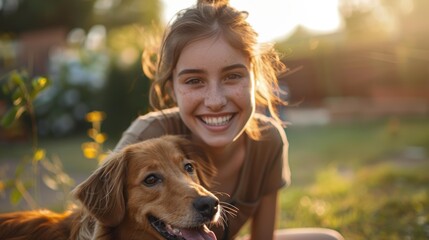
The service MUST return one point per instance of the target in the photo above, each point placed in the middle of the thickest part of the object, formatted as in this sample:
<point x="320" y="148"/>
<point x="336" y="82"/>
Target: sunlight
<point x="275" y="19"/>
<point x="319" y="16"/>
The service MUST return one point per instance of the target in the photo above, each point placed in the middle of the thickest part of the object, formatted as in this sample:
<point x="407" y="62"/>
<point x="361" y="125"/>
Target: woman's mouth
<point x="217" y="120"/>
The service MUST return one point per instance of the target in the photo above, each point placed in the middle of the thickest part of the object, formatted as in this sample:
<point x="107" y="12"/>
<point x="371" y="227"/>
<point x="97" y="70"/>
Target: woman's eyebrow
<point x="234" y="66"/>
<point x="188" y="71"/>
<point x="225" y="69"/>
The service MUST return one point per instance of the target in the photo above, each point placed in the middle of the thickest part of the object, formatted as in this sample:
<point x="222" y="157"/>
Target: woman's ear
<point x="102" y="194"/>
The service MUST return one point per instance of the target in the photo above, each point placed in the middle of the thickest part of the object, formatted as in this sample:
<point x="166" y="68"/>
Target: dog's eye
<point x="152" y="180"/>
<point x="189" y="168"/>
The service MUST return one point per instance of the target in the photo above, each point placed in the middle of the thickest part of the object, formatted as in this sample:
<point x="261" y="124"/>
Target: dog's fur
<point x="153" y="178"/>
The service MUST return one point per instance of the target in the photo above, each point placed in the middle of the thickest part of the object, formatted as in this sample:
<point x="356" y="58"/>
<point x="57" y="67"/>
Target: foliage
<point x="78" y="75"/>
<point x="83" y="79"/>
<point x="25" y="15"/>
<point x="23" y="90"/>
<point x="125" y="93"/>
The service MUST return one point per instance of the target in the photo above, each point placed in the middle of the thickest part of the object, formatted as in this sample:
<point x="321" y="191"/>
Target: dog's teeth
<point x="177" y="231"/>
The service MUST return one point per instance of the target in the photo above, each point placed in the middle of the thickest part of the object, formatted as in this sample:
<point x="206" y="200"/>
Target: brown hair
<point x="207" y="19"/>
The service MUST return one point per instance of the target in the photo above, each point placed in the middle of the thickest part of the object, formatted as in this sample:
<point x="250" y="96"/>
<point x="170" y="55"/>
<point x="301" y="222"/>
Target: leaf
<point x="15" y="196"/>
<point x="9" y="117"/>
<point x="19" y="170"/>
<point x="20" y="111"/>
<point x="6" y="88"/>
<point x="17" y="78"/>
<point x="17" y="94"/>
<point x="17" y="102"/>
<point x="50" y="182"/>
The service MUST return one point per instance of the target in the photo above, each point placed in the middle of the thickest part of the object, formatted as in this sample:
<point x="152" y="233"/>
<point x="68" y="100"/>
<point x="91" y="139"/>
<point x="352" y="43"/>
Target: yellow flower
<point x="95" y="116"/>
<point x="39" y="154"/>
<point x="100" y="138"/>
<point x="42" y="81"/>
<point x="90" y="150"/>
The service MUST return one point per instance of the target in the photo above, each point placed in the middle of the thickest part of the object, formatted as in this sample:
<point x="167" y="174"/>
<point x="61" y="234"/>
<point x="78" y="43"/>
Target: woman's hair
<point x="214" y="18"/>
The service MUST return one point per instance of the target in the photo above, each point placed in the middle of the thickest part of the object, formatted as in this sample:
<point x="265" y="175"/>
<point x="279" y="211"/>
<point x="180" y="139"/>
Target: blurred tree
<point x="383" y="20"/>
<point x="382" y="44"/>
<point x="32" y="14"/>
<point x="102" y="50"/>
<point x="24" y="15"/>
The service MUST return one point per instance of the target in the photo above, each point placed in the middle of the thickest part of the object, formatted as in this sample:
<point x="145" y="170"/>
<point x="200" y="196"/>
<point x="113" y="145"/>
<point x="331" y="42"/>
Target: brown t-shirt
<point x="264" y="171"/>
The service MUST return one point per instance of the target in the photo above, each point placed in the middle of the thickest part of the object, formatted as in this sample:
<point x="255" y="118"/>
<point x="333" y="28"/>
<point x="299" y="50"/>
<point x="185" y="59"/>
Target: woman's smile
<point x="217" y="120"/>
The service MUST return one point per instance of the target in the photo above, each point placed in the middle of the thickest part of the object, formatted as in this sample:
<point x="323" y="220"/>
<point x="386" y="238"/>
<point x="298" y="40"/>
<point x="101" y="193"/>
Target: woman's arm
<point x="264" y="220"/>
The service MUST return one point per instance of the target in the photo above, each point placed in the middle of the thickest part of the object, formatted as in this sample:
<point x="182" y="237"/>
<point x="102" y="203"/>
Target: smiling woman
<point x="211" y="76"/>
<point x="274" y="19"/>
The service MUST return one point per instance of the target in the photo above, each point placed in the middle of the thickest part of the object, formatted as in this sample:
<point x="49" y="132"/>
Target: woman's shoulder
<point x="155" y="118"/>
<point x="271" y="129"/>
<point x="152" y="125"/>
<point x="159" y="115"/>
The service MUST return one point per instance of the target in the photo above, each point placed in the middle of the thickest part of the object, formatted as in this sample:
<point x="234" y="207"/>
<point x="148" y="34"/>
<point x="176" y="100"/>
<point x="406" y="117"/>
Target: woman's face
<point x="214" y="90"/>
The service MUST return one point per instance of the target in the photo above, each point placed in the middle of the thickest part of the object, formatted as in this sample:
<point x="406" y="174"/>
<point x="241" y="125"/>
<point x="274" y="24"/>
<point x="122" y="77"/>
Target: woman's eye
<point x="189" y="168"/>
<point x="233" y="76"/>
<point x="152" y="180"/>
<point x="193" y="81"/>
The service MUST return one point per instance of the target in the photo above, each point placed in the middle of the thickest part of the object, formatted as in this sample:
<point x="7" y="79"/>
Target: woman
<point x="210" y="78"/>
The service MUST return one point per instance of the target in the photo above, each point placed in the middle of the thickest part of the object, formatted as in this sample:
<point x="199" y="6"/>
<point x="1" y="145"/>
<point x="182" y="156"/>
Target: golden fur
<point x="162" y="178"/>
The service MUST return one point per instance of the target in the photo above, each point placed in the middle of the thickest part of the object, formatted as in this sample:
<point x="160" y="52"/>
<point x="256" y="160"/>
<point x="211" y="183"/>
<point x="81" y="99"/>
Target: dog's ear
<point x="102" y="194"/>
<point x="205" y="169"/>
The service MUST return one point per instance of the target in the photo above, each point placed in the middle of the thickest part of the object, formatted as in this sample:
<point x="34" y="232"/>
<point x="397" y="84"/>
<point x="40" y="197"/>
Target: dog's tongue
<point x="198" y="234"/>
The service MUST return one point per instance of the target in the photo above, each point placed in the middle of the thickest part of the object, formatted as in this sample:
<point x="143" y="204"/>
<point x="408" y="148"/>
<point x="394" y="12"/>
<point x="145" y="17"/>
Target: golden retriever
<point x="149" y="190"/>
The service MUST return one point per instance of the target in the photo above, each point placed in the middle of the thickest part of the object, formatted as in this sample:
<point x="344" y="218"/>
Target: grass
<point x="68" y="149"/>
<point x="368" y="180"/>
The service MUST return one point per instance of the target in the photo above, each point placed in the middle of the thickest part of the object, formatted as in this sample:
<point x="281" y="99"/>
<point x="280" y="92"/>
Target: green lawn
<point x="368" y="180"/>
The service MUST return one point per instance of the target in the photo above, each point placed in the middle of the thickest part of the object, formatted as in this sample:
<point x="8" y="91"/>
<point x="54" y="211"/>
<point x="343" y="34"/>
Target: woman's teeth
<point x="217" y="121"/>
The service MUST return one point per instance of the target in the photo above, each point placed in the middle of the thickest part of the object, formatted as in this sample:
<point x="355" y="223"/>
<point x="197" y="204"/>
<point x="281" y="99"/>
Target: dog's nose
<point x="206" y="206"/>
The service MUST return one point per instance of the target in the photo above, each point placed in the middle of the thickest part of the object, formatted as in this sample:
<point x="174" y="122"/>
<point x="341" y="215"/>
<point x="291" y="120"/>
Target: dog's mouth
<point x="173" y="233"/>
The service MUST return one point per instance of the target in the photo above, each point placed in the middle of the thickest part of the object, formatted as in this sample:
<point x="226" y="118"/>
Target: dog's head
<point x="154" y="186"/>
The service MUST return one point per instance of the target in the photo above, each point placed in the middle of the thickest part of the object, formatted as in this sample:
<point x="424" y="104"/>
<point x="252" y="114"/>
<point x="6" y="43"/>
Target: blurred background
<point x="358" y="92"/>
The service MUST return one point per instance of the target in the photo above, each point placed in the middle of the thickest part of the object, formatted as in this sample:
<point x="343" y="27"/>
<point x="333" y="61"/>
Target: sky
<point x="277" y="19"/>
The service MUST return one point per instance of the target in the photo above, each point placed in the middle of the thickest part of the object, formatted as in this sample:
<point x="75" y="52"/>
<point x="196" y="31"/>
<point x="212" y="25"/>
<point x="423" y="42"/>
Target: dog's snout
<point x="206" y="206"/>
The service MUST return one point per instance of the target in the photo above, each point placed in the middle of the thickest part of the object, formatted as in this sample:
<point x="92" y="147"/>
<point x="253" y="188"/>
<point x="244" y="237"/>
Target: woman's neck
<point x="228" y="161"/>
<point x="222" y="156"/>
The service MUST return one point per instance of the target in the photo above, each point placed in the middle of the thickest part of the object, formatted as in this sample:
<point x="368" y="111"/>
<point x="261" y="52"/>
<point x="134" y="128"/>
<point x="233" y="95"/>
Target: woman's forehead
<point x="210" y="52"/>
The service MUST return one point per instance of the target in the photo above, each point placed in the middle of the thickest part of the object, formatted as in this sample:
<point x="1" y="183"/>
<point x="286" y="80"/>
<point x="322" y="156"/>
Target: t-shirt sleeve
<point x="152" y="125"/>
<point x="144" y="127"/>
<point x="277" y="172"/>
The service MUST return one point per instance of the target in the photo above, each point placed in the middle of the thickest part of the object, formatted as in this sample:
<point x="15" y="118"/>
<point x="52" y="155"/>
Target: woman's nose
<point x="215" y="98"/>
